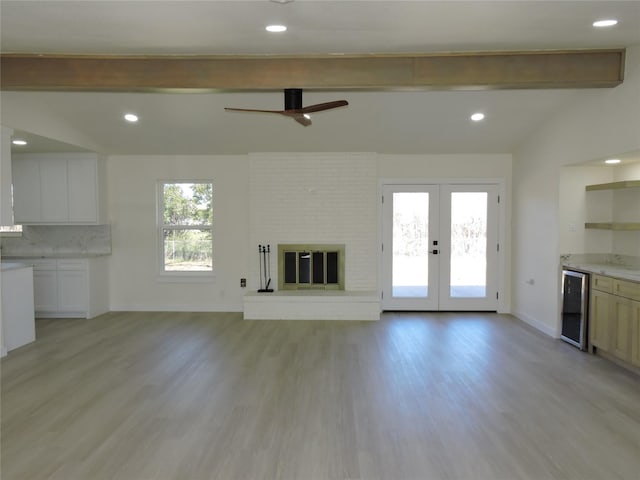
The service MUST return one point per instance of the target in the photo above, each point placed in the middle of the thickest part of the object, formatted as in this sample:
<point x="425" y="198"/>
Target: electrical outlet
<point x="243" y="282"/>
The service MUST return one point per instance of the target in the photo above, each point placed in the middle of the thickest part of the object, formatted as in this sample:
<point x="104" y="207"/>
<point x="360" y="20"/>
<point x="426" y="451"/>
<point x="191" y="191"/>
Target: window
<point x="11" y="231"/>
<point x="186" y="226"/>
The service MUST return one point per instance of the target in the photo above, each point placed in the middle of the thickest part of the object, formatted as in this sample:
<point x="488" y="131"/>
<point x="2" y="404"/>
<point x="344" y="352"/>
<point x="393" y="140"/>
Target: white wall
<point x="447" y="166"/>
<point x="599" y="123"/>
<point x="134" y="264"/>
<point x="265" y="199"/>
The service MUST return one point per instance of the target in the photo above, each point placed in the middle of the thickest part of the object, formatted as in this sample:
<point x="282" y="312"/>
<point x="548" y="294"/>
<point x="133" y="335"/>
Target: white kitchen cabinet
<point x="6" y="197"/>
<point x="27" y="195"/>
<point x="17" y="325"/>
<point x="72" y="285"/>
<point x="45" y="290"/>
<point x="75" y="287"/>
<point x="82" y="176"/>
<point x="53" y="188"/>
<point x="58" y="189"/>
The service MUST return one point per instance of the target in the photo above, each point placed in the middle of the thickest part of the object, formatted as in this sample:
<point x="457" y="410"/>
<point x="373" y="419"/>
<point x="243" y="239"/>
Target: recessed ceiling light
<point x="476" y="117"/>
<point x="19" y="142"/>
<point x="612" y="161"/>
<point x="131" y="117"/>
<point x="605" y="23"/>
<point x="276" y="28"/>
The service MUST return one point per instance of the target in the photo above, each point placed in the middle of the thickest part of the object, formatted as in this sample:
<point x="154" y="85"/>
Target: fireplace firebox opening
<point x="311" y="266"/>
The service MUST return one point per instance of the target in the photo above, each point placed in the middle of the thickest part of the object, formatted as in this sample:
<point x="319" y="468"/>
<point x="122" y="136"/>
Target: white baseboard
<point x="543" y="327"/>
<point x="175" y="308"/>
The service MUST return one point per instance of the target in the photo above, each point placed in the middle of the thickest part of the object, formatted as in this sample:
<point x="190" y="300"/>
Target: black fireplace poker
<point x="264" y="261"/>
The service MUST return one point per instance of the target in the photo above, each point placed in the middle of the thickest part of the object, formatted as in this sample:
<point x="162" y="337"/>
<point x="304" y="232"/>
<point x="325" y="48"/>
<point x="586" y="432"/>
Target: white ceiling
<point x="400" y="122"/>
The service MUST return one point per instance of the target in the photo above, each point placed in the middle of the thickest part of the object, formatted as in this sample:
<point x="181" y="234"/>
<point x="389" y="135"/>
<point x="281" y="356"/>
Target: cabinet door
<point x="6" y="199"/>
<point x="635" y="333"/>
<point x="82" y="177"/>
<point x="45" y="291"/>
<point x="72" y="291"/>
<point x="53" y="185"/>
<point x="26" y="190"/>
<point x="621" y="328"/>
<point x="599" y="319"/>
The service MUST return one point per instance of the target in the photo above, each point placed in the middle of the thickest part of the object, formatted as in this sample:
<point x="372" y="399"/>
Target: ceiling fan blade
<point x="293" y="98"/>
<point x="319" y="107"/>
<point x="252" y="110"/>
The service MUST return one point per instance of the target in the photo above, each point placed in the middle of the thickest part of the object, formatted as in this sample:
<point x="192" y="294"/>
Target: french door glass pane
<point x="468" y="244"/>
<point x="410" y="256"/>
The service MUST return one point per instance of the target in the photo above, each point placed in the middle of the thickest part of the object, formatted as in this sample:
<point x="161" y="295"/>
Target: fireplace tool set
<point x="264" y="260"/>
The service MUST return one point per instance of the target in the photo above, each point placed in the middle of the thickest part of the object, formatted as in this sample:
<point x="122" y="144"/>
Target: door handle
<point x="435" y="252"/>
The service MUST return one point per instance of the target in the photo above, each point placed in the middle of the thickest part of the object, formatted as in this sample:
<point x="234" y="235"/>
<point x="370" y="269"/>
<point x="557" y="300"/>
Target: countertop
<point x="53" y="255"/>
<point x="6" y="266"/>
<point x="611" y="270"/>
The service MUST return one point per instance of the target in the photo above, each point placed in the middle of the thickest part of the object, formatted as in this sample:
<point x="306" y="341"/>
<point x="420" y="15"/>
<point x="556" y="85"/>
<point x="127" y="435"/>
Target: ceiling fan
<point x="293" y="107"/>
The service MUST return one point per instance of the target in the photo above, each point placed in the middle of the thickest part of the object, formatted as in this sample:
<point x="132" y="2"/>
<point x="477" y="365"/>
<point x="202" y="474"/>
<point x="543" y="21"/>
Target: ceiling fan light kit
<point x="293" y="107"/>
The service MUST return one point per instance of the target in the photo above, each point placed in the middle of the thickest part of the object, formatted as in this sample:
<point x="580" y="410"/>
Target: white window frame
<point x="177" y="275"/>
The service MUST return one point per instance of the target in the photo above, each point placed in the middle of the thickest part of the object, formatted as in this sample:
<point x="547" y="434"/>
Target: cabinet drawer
<point x="602" y="283"/>
<point x="626" y="289"/>
<point x="72" y="264"/>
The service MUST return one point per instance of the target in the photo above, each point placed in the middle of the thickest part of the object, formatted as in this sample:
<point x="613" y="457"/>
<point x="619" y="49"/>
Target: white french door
<point x="440" y="246"/>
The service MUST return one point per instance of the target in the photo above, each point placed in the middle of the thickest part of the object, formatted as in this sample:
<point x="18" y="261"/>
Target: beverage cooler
<point x="575" y="308"/>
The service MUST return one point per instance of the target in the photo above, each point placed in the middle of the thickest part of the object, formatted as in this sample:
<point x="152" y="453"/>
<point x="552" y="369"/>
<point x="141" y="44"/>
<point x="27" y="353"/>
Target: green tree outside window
<point x="187" y="226"/>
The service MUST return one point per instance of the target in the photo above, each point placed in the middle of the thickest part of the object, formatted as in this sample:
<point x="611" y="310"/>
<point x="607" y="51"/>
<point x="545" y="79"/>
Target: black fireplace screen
<point x="311" y="266"/>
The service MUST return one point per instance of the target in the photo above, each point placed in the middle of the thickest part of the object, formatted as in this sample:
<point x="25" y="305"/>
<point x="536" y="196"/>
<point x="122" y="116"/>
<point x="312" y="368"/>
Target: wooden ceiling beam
<point x="497" y="70"/>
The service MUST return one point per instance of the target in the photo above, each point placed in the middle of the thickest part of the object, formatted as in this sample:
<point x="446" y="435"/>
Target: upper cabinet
<point x="6" y="203"/>
<point x="631" y="202"/>
<point x="58" y="189"/>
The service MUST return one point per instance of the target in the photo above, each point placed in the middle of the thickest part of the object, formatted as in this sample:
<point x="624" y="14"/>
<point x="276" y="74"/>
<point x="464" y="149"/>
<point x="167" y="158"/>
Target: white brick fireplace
<point x="315" y="199"/>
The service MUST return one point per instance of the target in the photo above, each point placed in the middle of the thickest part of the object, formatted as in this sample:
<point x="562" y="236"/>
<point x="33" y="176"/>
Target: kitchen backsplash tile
<point x="614" y="259"/>
<point x="43" y="240"/>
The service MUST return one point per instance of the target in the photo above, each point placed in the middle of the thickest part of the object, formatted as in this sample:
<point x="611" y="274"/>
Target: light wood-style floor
<point x="164" y="396"/>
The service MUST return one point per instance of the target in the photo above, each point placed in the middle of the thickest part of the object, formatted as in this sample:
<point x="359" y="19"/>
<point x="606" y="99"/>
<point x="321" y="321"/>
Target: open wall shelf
<point x="616" y="226"/>
<point x="614" y="185"/>
<point x="619" y="226"/>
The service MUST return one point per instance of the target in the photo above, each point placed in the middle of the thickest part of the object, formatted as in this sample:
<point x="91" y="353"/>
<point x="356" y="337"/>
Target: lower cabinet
<point x="635" y="333"/>
<point x="621" y="328"/>
<point x="70" y="287"/>
<point x="614" y="320"/>
<point x="72" y="294"/>
<point x="45" y="290"/>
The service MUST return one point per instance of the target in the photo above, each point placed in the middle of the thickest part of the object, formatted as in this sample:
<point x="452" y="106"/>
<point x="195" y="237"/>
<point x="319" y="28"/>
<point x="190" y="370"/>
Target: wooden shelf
<point x="614" y="185"/>
<point x="619" y="226"/>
